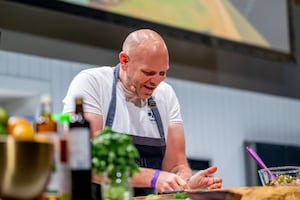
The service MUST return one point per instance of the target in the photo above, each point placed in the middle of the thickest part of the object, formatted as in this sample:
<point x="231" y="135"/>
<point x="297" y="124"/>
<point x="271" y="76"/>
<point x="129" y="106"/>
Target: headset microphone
<point x="133" y="88"/>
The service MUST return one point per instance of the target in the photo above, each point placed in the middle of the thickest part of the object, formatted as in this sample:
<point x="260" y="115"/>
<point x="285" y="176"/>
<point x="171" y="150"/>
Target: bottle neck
<point x="79" y="114"/>
<point x="79" y="109"/>
<point x="46" y="109"/>
<point x="44" y="122"/>
<point x="45" y="103"/>
<point x="79" y="106"/>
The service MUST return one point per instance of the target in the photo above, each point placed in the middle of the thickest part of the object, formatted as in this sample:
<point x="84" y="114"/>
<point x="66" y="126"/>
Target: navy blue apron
<point x="151" y="150"/>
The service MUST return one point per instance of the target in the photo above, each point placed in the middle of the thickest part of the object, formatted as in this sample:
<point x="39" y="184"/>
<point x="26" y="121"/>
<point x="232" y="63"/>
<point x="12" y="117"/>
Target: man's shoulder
<point x="97" y="73"/>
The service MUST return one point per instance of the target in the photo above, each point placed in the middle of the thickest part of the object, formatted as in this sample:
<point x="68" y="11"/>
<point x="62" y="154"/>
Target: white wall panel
<point x="38" y="72"/>
<point x="3" y="63"/>
<point x="62" y="72"/>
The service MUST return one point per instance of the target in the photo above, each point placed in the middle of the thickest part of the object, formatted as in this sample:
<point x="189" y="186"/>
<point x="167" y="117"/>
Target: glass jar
<point x="116" y="188"/>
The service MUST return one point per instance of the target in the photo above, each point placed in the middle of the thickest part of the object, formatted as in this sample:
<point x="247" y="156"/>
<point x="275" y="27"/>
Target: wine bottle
<point x="80" y="154"/>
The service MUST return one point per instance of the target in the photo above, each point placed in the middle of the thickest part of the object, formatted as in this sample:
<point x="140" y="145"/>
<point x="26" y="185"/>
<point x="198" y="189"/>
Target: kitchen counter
<point x="249" y="193"/>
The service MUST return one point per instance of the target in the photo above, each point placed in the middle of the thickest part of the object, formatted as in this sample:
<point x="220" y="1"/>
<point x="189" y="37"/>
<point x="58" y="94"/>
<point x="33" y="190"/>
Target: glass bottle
<point x="65" y="175"/>
<point x="47" y="128"/>
<point x="80" y="154"/>
<point x="44" y="123"/>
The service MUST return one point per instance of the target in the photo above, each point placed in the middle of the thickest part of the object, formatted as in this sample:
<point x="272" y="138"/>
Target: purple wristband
<point x="154" y="178"/>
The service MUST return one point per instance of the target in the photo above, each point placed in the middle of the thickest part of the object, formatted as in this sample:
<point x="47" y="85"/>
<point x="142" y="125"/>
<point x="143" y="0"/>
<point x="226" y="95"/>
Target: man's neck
<point x="132" y="97"/>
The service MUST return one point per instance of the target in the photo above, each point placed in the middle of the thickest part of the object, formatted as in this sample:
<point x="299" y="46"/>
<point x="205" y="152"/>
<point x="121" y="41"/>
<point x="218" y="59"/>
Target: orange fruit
<point x="20" y="128"/>
<point x="13" y="121"/>
<point x="23" y="132"/>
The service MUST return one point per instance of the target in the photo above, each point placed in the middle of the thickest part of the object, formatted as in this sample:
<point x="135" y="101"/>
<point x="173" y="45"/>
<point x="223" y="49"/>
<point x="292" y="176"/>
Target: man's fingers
<point x="216" y="183"/>
<point x="215" y="186"/>
<point x="209" y="171"/>
<point x="182" y="183"/>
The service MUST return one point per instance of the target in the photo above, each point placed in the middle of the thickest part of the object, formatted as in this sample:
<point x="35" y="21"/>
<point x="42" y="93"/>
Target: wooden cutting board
<point x="254" y="193"/>
<point x="268" y="192"/>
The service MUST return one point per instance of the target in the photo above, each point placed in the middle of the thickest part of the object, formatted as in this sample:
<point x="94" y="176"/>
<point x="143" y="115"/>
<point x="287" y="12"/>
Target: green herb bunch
<point x="114" y="154"/>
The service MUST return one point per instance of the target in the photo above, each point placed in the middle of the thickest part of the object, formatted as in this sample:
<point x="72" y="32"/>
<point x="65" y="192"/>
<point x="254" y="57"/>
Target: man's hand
<point x="169" y="181"/>
<point x="203" y="179"/>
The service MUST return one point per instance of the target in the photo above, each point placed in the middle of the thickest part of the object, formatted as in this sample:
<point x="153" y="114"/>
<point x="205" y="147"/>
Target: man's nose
<point x="155" y="80"/>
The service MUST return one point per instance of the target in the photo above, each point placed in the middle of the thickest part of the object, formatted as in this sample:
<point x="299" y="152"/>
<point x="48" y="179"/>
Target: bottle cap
<point x="45" y="99"/>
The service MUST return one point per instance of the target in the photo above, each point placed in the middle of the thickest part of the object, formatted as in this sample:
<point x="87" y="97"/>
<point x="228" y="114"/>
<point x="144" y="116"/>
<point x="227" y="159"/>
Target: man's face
<point x="145" y="76"/>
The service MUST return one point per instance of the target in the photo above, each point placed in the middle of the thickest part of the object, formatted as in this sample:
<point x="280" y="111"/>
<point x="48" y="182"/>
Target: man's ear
<point x="123" y="57"/>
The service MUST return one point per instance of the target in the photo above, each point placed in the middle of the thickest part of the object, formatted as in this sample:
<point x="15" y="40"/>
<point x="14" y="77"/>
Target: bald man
<point x="144" y="106"/>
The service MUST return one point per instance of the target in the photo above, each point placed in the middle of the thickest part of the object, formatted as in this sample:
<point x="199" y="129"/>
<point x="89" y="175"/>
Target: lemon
<point x="3" y="116"/>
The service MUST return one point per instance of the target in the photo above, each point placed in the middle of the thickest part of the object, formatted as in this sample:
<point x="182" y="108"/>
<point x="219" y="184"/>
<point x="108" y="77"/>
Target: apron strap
<point x="154" y="109"/>
<point x="112" y="105"/>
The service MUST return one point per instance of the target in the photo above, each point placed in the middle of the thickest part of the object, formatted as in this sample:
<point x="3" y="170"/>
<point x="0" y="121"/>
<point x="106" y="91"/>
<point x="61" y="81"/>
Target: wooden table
<point x="254" y="193"/>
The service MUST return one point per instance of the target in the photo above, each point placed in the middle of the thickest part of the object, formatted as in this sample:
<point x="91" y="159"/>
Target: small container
<point x="284" y="176"/>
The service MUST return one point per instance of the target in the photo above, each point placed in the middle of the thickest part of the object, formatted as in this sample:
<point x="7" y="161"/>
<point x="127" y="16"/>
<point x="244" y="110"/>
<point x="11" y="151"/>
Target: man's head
<point x="144" y="62"/>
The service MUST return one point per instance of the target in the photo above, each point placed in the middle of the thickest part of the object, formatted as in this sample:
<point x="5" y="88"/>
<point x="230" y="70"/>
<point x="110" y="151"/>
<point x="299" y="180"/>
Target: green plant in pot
<point x="114" y="158"/>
